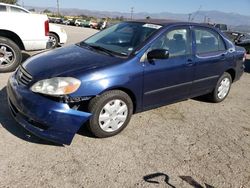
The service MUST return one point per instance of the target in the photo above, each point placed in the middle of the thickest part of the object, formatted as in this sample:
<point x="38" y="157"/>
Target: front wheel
<point x="10" y="55"/>
<point x="111" y="112"/>
<point x="222" y="88"/>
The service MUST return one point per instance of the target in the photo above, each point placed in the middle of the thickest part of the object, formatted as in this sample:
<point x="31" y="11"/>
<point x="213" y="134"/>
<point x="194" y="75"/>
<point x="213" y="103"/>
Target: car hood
<point x="65" y="61"/>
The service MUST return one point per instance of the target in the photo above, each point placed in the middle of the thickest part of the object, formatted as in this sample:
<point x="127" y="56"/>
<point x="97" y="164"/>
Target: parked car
<point x="222" y="27"/>
<point x="69" y="22"/>
<point x="20" y="31"/>
<point x="78" y="22"/>
<point x="240" y="39"/>
<point x="93" y="24"/>
<point x="125" y="69"/>
<point x="55" y="20"/>
<point x="102" y="25"/>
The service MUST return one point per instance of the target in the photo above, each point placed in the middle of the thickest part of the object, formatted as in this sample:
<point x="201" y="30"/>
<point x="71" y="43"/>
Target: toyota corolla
<point x="128" y="68"/>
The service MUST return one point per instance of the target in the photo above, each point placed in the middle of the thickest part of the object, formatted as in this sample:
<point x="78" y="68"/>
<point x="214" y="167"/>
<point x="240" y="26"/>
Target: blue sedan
<point x="125" y="69"/>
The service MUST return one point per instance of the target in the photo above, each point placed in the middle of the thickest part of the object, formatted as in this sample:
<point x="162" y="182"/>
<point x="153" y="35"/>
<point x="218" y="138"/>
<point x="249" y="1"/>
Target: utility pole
<point x="132" y="12"/>
<point x="189" y="17"/>
<point x="205" y="19"/>
<point x="58" y="11"/>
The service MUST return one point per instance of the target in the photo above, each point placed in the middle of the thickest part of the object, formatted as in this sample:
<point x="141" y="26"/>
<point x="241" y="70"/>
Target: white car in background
<point x="57" y="35"/>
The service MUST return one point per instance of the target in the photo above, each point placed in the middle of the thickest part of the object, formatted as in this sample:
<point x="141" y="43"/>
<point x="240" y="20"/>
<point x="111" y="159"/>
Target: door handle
<point x="223" y="56"/>
<point x="190" y="62"/>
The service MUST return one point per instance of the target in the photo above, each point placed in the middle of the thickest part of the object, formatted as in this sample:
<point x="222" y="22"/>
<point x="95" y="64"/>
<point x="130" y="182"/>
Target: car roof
<point x="16" y="6"/>
<point x="167" y="22"/>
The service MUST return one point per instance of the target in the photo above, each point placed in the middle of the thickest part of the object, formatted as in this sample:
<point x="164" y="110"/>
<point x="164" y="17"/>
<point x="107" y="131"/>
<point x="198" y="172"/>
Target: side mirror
<point x="158" y="54"/>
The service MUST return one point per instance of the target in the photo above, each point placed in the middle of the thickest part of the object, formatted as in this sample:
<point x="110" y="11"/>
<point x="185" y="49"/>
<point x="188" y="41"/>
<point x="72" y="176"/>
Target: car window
<point x="177" y="42"/>
<point x="15" y="9"/>
<point x="3" y="8"/>
<point x="208" y="41"/>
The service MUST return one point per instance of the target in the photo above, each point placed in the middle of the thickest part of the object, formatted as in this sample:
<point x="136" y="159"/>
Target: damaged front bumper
<point x="47" y="119"/>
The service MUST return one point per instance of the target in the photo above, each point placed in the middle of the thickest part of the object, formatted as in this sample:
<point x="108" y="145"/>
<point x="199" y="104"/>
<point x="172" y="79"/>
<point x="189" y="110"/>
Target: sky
<point x="150" y="6"/>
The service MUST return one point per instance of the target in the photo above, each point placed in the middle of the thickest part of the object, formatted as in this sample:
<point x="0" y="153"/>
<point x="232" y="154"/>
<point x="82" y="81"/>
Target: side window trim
<point x="219" y="38"/>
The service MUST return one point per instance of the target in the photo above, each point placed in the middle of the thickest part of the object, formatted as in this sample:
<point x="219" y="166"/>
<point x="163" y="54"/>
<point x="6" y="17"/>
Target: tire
<point x="10" y="55"/>
<point x="54" y="39"/>
<point x="106" y="106"/>
<point x="218" y="95"/>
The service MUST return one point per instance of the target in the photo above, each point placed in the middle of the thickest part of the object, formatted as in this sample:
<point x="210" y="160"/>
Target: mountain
<point x="231" y="19"/>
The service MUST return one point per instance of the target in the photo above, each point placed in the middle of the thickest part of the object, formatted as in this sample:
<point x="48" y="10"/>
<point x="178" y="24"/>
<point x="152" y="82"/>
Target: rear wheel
<point x="222" y="88"/>
<point x="54" y="39"/>
<point x="10" y="55"/>
<point x="111" y="112"/>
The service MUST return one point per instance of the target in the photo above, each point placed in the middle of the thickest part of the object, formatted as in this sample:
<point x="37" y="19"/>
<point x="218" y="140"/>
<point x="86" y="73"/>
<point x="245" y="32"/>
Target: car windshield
<point x="123" y="38"/>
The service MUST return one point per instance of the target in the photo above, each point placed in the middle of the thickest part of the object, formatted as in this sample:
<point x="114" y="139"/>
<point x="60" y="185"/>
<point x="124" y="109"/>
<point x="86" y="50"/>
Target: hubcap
<point x="53" y="40"/>
<point x="223" y="88"/>
<point x="7" y="55"/>
<point x="113" y="115"/>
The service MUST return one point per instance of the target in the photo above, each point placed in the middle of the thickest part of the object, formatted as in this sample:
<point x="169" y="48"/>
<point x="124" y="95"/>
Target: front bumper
<point x="44" y="118"/>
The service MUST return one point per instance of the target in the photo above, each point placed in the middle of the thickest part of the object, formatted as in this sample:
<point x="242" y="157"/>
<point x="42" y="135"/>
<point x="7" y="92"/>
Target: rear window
<point x="3" y="8"/>
<point x="15" y="9"/>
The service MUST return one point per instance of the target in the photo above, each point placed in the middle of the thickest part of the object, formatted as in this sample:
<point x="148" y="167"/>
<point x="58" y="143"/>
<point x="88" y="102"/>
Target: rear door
<point x="210" y="59"/>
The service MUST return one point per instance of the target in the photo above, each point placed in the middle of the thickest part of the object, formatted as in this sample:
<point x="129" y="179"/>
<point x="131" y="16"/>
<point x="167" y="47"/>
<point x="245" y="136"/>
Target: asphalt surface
<point x="193" y="143"/>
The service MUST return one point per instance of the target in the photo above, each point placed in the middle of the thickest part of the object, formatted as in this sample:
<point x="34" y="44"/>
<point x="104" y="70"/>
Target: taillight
<point x="46" y="27"/>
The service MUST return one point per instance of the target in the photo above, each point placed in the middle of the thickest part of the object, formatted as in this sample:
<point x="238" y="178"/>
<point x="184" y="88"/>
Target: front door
<point x="169" y="80"/>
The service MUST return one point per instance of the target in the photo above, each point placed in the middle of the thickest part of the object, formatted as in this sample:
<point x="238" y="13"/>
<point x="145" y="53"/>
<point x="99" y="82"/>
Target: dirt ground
<point x="188" y="144"/>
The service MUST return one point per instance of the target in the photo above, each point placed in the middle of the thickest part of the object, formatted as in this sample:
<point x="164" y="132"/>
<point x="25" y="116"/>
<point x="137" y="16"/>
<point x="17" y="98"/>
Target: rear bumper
<point x="63" y="38"/>
<point x="44" y="118"/>
<point x="36" y="45"/>
<point x="239" y="71"/>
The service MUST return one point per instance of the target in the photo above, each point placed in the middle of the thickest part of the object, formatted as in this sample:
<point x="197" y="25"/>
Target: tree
<point x="46" y="11"/>
<point x="9" y="1"/>
<point x="32" y="10"/>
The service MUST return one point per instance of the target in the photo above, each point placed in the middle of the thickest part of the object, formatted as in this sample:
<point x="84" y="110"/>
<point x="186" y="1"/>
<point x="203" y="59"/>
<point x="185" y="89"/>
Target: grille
<point x="23" y="77"/>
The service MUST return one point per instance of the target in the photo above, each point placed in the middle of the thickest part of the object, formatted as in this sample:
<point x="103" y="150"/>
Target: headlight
<point x="56" y="86"/>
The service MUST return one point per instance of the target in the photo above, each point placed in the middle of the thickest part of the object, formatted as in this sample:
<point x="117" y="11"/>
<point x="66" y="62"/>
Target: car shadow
<point x="8" y="123"/>
<point x="84" y="131"/>
<point x="194" y="183"/>
<point x="151" y="178"/>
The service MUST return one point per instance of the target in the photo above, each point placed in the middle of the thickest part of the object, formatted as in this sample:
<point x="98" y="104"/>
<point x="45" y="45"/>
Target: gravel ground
<point x="188" y="144"/>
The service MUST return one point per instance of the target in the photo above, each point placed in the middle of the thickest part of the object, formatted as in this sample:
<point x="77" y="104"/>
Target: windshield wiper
<point x="102" y="49"/>
<point x="99" y="48"/>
